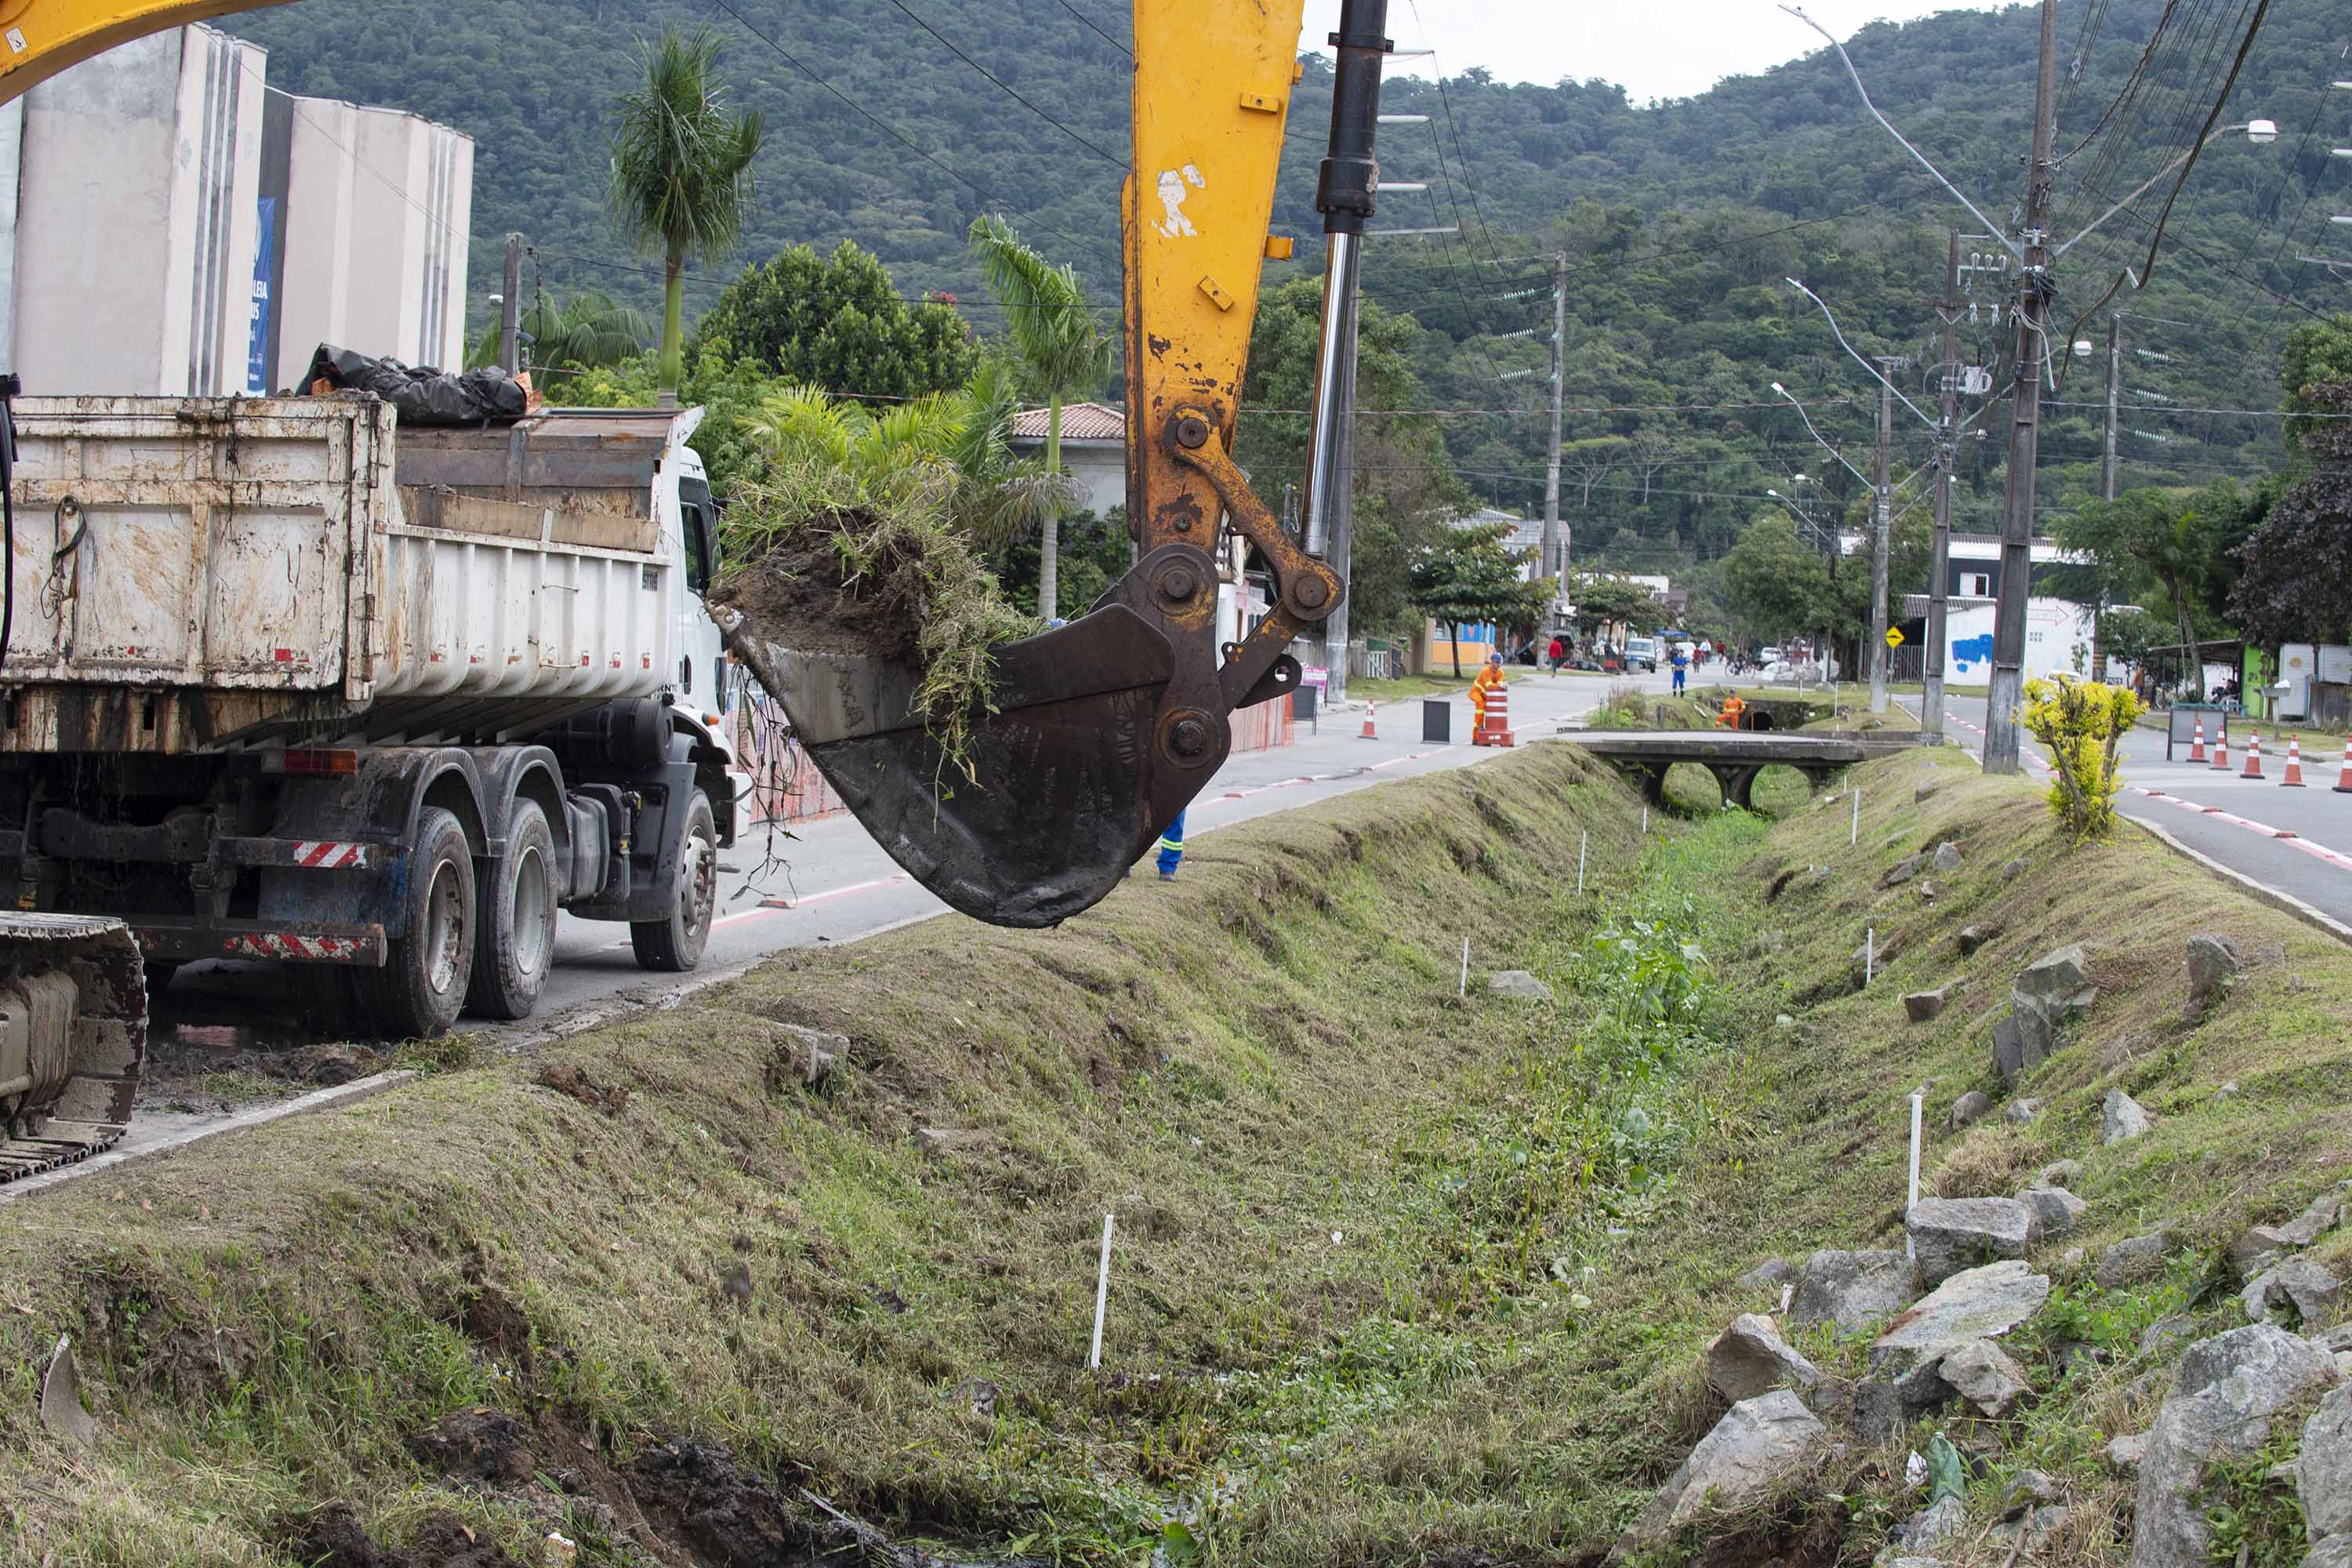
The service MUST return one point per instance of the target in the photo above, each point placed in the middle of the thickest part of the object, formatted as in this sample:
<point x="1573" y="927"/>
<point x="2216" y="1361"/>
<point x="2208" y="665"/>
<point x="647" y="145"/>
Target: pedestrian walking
<point x="1682" y="667"/>
<point x="1558" y="653"/>
<point x="1171" y="848"/>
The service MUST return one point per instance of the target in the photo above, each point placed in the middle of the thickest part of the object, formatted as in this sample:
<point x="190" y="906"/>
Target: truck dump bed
<point x="198" y="573"/>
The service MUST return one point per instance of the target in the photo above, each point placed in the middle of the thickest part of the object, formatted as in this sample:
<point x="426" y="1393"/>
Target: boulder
<point x="2053" y="1211"/>
<point x="2132" y="1261"/>
<point x="2125" y="1453"/>
<point x="2010" y="870"/>
<point x="1971" y="1108"/>
<point x="1976" y="1304"/>
<point x="1976" y="936"/>
<point x="2227" y="1391"/>
<point x="1770" y="1273"/>
<point x="1931" y="1526"/>
<point x="2063" y="1174"/>
<point x="2334" y="1552"/>
<point x="2339" y="1338"/>
<point x="1983" y="1374"/>
<point x="1947" y="859"/>
<point x="2021" y="1111"/>
<point x="2057" y="976"/>
<point x="1517" y="985"/>
<point x="806" y="1054"/>
<point x="2035" y="1525"/>
<point x="2298" y="1283"/>
<point x="2121" y="1117"/>
<point x="1759" y="1444"/>
<point x="1902" y="871"/>
<point x="1920" y="794"/>
<point x="2317" y="1218"/>
<point x="1851" y="1290"/>
<point x="2214" y="962"/>
<point x="1950" y="1235"/>
<point x="2258" y="1248"/>
<point x="2050" y="993"/>
<point x="2323" y="1467"/>
<point x="1750" y="1358"/>
<point x="1924" y="1006"/>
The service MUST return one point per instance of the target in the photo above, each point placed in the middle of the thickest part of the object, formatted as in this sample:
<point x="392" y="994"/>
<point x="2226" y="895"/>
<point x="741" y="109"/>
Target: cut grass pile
<point x="1399" y="1278"/>
<point x="831" y="560"/>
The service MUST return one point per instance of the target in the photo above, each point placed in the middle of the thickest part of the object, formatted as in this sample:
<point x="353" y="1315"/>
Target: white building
<point x="127" y="197"/>
<point x="171" y="225"/>
<point x="1094" y="449"/>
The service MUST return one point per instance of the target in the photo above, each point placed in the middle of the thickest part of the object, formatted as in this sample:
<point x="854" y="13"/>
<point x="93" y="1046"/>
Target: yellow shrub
<point x="2080" y="721"/>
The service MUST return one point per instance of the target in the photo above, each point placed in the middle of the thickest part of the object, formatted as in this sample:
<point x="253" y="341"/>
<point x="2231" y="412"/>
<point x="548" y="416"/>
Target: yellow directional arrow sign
<point x="1894" y="636"/>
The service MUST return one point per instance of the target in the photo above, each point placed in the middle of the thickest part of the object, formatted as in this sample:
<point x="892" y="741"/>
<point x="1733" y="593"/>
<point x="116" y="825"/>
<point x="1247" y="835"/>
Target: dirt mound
<point x="476" y="1445"/>
<point x="331" y="1537"/>
<point x="803" y="591"/>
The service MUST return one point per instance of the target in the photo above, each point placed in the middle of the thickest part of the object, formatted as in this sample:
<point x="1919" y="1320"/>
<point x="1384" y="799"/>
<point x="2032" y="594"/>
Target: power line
<point x="1090" y="21"/>
<point x="891" y="130"/>
<point x="1010" y="91"/>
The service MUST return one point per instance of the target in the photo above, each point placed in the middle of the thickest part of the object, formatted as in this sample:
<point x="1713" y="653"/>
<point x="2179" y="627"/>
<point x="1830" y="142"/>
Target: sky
<point x="1655" y="48"/>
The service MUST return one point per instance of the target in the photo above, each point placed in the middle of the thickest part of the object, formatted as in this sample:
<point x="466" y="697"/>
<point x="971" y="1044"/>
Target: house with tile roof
<point x="1094" y="449"/>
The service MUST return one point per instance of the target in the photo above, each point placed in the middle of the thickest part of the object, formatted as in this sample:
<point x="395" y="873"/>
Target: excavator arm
<point x="39" y="39"/>
<point x="1102" y="731"/>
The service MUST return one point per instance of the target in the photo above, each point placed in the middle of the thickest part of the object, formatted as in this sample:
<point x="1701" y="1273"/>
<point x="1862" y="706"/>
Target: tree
<point x="1471" y="578"/>
<point x="1603" y="601"/>
<point x="2297" y="585"/>
<point x="680" y="174"/>
<point x="2183" y="541"/>
<point x="588" y="331"/>
<point x="1060" y="347"/>
<point x="1774" y="585"/>
<point x="839" y="323"/>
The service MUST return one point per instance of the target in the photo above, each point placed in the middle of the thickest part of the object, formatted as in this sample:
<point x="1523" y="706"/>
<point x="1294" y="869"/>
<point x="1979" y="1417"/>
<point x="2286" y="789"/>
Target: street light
<point x="1816" y="436"/>
<point x="2261" y="133"/>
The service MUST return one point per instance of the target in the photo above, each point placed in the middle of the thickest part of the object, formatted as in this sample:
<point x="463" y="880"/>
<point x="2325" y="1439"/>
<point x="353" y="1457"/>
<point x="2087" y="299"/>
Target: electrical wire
<point x="1114" y="159"/>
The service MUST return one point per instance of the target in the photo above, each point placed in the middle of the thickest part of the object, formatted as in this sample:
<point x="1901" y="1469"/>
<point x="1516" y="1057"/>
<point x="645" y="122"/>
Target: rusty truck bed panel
<point x="242" y="570"/>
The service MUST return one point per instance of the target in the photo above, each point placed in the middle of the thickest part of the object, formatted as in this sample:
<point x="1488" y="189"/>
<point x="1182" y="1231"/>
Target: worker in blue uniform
<point x="1171" y="848"/>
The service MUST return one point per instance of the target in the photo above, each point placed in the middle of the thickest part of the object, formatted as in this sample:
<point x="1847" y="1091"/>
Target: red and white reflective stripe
<point x="324" y="857"/>
<point x="286" y="944"/>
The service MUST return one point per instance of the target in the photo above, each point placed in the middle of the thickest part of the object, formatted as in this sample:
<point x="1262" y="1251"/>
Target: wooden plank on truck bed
<point x="604" y="529"/>
<point x="428" y="506"/>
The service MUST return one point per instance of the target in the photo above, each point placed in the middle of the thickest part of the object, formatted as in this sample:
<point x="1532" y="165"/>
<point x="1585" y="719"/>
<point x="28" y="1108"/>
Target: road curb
<point x="2286" y="903"/>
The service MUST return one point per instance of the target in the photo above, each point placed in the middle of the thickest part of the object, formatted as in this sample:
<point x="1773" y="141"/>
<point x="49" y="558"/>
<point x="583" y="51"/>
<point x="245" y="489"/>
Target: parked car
<point x="1769" y="657"/>
<point x="1641" y="656"/>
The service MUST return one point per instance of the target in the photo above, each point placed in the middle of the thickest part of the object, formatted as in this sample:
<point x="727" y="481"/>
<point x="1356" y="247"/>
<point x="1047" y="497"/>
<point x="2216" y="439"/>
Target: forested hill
<point x="1680" y="219"/>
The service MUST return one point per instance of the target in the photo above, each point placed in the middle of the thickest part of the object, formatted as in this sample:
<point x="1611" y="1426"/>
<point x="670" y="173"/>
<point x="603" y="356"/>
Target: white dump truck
<point x="283" y="681"/>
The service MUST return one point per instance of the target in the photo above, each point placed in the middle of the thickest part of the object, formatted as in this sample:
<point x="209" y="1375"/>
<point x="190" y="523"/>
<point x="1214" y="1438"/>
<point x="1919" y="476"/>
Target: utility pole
<point x="2035" y="285"/>
<point x="510" y="310"/>
<point x="2115" y="389"/>
<point x="1555" y="555"/>
<point x="1346" y="193"/>
<point x="1948" y="453"/>
<point x="1882" y="496"/>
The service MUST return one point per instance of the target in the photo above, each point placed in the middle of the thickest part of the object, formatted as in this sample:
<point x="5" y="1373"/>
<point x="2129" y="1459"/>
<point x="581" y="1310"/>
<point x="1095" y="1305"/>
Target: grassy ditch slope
<point x="1399" y="1278"/>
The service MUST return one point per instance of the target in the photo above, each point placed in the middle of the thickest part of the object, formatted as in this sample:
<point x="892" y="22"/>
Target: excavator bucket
<point x="1058" y="804"/>
<point x="73" y="1035"/>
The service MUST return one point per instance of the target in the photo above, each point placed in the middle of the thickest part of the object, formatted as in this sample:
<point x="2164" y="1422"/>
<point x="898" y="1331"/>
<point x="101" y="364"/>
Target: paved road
<point x="2296" y="840"/>
<point x="830" y="882"/>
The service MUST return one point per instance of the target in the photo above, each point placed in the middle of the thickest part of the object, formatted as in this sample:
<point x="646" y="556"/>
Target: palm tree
<point x="681" y="175"/>
<point x="589" y="330"/>
<point x="948" y="449"/>
<point x="1061" y="349"/>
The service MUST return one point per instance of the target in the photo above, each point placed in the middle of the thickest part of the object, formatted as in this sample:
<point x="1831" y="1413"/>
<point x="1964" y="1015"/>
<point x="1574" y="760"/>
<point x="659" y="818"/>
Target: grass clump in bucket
<point x="860" y="536"/>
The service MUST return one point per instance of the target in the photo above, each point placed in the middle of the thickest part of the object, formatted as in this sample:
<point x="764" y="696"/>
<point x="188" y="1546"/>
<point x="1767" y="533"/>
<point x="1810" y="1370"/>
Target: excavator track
<point x="73" y="1036"/>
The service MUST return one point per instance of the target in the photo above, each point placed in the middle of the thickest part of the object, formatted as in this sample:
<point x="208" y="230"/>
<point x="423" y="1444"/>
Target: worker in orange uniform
<point x="1732" y="709"/>
<point x="1487" y="680"/>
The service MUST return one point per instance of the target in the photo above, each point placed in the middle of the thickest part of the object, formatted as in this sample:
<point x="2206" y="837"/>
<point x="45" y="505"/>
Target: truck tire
<point x="421" y="988"/>
<point x="514" y="931"/>
<point x="674" y="945"/>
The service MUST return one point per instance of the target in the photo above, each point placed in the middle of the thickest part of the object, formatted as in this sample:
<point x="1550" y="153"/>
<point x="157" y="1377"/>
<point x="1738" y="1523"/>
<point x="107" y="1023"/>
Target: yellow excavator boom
<point x="39" y="39"/>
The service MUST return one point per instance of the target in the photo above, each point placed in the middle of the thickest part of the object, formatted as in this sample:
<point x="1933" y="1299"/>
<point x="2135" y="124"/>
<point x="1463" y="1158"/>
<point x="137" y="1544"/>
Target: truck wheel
<point x="422" y="986"/>
<point x="514" y="942"/>
<point x="675" y="945"/>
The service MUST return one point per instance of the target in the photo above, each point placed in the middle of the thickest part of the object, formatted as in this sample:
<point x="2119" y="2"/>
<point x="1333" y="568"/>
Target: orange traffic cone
<point x="2253" y="756"/>
<point x="2343" y="779"/>
<point x="1368" y="733"/>
<point x="2293" y="778"/>
<point x="2221" y="744"/>
<point x="2197" y="746"/>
